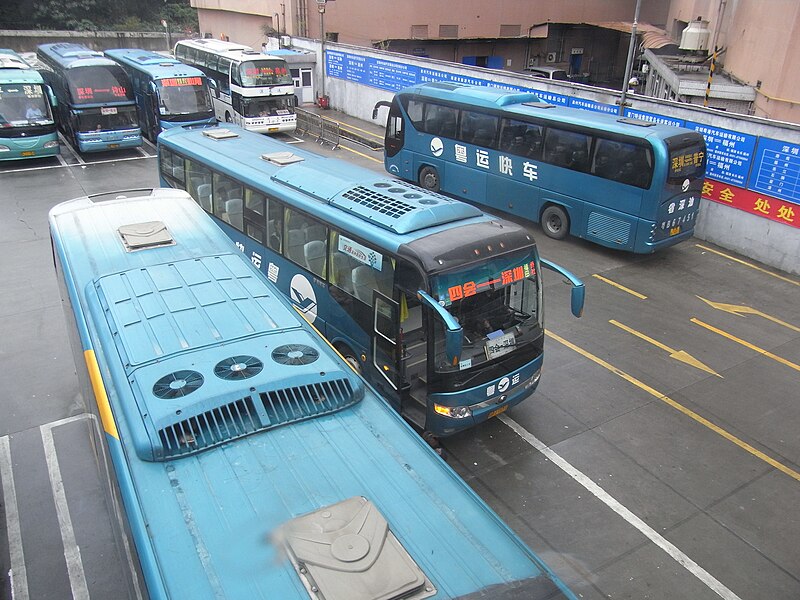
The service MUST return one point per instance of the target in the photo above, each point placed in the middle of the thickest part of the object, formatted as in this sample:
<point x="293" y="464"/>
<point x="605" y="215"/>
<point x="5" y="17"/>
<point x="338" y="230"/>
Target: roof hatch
<point x="347" y="551"/>
<point x="140" y="236"/>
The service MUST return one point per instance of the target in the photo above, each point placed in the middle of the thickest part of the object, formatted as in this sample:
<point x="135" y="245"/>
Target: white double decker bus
<point x="251" y="89"/>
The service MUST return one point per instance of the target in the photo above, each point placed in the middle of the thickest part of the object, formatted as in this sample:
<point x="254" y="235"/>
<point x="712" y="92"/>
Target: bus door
<point x="386" y="348"/>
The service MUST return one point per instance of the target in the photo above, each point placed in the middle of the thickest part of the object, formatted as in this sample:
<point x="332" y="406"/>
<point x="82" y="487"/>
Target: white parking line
<point x="17" y="574"/>
<point x="72" y="553"/>
<point x="704" y="576"/>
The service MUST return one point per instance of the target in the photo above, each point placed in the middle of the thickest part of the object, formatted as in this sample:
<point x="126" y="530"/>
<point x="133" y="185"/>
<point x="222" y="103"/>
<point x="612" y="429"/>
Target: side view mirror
<point x="578" y="294"/>
<point x="453" y="333"/>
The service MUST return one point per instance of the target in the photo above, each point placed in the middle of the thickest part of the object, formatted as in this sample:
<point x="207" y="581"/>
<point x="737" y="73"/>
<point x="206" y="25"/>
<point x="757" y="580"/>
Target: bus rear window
<point x="688" y="162"/>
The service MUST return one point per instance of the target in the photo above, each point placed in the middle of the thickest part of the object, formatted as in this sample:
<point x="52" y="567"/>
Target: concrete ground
<point x="659" y="458"/>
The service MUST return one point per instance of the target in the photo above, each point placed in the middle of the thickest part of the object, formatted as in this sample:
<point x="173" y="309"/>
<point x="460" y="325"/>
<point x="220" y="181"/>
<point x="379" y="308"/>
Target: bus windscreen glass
<point x="183" y="96"/>
<point x="267" y="106"/>
<point x="23" y="104"/>
<point x="260" y="73"/>
<point x="497" y="306"/>
<point x="98" y="84"/>
<point x="109" y="118"/>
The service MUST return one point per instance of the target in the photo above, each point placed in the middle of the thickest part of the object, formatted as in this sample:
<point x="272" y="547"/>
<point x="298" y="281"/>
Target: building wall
<point x="760" y="38"/>
<point x="362" y="22"/>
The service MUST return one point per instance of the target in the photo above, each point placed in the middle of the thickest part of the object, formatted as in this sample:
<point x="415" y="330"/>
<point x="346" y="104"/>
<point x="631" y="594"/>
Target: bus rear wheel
<point x="429" y="179"/>
<point x="350" y="357"/>
<point x="555" y="222"/>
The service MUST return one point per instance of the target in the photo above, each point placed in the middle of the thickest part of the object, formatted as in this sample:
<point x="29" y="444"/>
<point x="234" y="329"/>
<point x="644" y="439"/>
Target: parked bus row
<point x="618" y="182"/>
<point x="107" y="101"/>
<point x="438" y="304"/>
<point x="250" y="460"/>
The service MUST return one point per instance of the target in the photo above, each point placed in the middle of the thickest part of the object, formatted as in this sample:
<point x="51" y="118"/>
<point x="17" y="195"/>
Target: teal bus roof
<point x="515" y="104"/>
<point x="14" y="69"/>
<point x="152" y="63"/>
<point x="390" y="213"/>
<point x="69" y="56"/>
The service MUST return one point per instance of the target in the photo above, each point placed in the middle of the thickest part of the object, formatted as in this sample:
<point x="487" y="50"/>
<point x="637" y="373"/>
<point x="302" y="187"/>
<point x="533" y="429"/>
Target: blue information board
<point x="772" y="169"/>
<point x="776" y="169"/>
<point x="729" y="153"/>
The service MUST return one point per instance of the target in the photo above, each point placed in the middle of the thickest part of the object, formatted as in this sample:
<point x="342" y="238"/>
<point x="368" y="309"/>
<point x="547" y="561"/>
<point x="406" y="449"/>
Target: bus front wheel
<point x="429" y="179"/>
<point x="555" y="222"/>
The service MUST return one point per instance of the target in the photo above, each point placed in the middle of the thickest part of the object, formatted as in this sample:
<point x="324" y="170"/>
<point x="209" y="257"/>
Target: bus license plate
<point x="498" y="411"/>
<point x="28" y="153"/>
<point x="112" y="146"/>
<point x="675" y="230"/>
<point x="273" y="129"/>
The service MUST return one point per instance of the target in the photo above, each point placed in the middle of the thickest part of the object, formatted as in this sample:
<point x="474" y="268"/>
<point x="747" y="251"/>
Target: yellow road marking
<point x="348" y="126"/>
<point x="679" y="407"/>
<point x="99" y="388"/>
<point x="747" y="264"/>
<point x="360" y="154"/>
<point x="680" y="355"/>
<point x="746" y="310"/>
<point x="621" y="287"/>
<point x="733" y="338"/>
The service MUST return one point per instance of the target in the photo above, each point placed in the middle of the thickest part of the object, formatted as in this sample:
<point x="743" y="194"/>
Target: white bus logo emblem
<point x="302" y="294"/>
<point x="437" y="147"/>
<point x="503" y="384"/>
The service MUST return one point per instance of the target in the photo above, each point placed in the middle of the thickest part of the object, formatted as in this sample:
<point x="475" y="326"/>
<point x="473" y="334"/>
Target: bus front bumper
<point x="446" y="417"/>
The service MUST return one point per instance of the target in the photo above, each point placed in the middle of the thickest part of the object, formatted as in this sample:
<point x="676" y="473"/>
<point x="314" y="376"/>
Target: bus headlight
<point x="454" y="412"/>
<point x="4" y="148"/>
<point x="51" y="144"/>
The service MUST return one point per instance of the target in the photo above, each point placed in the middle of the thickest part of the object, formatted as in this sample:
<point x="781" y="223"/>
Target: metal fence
<point x="322" y="129"/>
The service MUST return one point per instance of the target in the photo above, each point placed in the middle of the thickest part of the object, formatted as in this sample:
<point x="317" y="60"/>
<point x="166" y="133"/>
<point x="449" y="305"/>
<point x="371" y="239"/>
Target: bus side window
<point x="224" y="190"/>
<point x="254" y="215"/>
<point x="172" y="166"/>
<point x="274" y="225"/>
<point x="199" y="184"/>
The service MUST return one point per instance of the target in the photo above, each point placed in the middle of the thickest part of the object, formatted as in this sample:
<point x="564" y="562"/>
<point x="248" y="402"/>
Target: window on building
<point x="419" y="32"/>
<point x="448" y="31"/>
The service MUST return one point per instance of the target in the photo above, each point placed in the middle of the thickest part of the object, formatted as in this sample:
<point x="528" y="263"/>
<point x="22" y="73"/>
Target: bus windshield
<point x="497" y="304"/>
<point x="22" y="105"/>
<point x="183" y="96"/>
<point x="108" y="119"/>
<point x="260" y="73"/>
<point x="97" y="84"/>
<point x="267" y="106"/>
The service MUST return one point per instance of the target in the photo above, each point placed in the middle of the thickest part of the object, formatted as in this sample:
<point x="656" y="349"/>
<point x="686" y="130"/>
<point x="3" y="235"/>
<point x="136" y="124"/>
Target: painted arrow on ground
<point x="747" y="310"/>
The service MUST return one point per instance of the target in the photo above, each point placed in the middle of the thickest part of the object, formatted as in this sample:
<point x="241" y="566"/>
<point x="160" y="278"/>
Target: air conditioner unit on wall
<point x="551" y="57"/>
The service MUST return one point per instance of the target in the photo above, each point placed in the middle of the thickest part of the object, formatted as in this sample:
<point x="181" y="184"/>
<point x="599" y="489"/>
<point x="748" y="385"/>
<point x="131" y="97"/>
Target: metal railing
<point x="322" y="129"/>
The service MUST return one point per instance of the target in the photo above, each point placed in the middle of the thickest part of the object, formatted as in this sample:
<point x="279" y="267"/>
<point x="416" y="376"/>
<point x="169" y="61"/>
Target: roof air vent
<point x="294" y="354"/>
<point x="235" y="368"/>
<point x="177" y="385"/>
<point x="139" y="236"/>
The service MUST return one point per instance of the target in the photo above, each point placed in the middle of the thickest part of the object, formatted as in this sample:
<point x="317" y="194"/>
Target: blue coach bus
<point x="251" y="460"/>
<point x="168" y="93"/>
<point x="438" y="304"/>
<point x="96" y="107"/>
<point x="27" y="126"/>
<point x="618" y="182"/>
